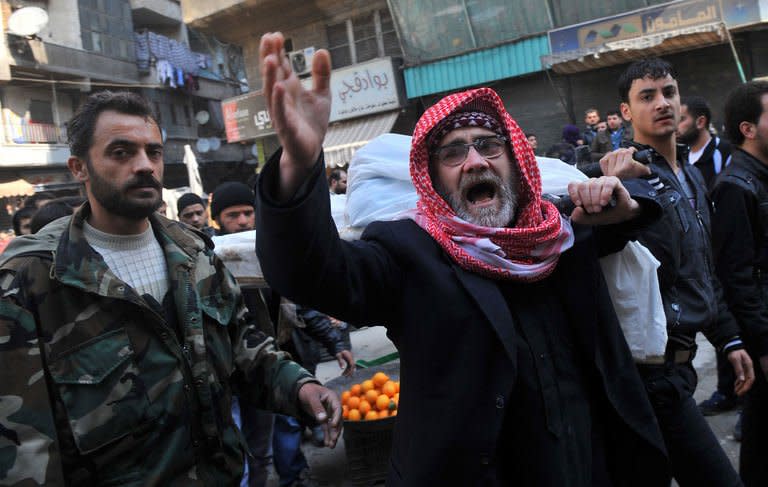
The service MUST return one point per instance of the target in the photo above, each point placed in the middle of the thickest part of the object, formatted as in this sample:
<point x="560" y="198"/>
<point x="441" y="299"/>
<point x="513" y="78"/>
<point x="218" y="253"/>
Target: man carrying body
<point x="709" y="154"/>
<point x="192" y="210"/>
<point x="690" y="291"/>
<point x="232" y="206"/>
<point x="123" y="334"/>
<point x="506" y="333"/>
<point x="740" y="245"/>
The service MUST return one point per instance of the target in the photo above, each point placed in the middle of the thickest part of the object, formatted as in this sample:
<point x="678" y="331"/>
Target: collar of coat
<point x="75" y="263"/>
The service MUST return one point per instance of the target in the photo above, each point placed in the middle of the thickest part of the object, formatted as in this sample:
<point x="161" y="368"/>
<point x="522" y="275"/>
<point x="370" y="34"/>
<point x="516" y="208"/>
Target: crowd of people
<point x="129" y="355"/>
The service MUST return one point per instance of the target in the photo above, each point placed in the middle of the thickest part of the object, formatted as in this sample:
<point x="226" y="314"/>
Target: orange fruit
<point x="393" y="412"/>
<point x="397" y="386"/>
<point x="382" y="402"/>
<point x="345" y="396"/>
<point x="379" y="378"/>
<point x="354" y="415"/>
<point x="371" y="415"/>
<point x="383" y="414"/>
<point x="345" y="411"/>
<point x="371" y="396"/>
<point x="353" y="402"/>
<point x="368" y="385"/>
<point x="397" y="398"/>
<point x="365" y="406"/>
<point x="388" y="388"/>
<point x="355" y="390"/>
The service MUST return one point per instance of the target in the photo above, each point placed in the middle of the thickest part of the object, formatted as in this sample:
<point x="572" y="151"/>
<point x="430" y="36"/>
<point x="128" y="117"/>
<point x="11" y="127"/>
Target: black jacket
<point x="680" y="240"/>
<point x="740" y="244"/>
<point x="455" y="335"/>
<point x="716" y="156"/>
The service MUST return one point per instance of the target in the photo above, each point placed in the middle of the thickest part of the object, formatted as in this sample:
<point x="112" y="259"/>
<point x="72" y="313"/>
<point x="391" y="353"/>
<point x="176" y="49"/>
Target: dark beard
<point x="688" y="137"/>
<point x="114" y="198"/>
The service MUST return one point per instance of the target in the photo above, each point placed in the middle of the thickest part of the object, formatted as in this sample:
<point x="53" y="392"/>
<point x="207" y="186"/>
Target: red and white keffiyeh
<point x="527" y="252"/>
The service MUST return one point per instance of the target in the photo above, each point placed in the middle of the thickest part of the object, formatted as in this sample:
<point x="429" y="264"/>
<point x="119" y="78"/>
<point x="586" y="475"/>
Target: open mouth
<point x="481" y="193"/>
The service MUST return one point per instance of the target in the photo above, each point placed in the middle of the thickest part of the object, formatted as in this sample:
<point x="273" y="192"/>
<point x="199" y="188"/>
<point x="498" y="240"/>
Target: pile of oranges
<point x="375" y="398"/>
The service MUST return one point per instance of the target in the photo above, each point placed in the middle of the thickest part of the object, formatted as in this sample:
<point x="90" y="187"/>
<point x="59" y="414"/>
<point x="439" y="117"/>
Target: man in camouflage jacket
<point x="101" y="386"/>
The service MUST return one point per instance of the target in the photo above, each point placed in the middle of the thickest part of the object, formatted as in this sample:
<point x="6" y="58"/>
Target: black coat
<point x="455" y="336"/>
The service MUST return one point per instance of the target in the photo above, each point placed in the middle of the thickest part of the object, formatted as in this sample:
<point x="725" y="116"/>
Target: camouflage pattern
<point x="97" y="388"/>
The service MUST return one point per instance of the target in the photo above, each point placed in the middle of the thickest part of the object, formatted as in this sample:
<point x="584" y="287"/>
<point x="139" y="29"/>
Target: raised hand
<point x="299" y="116"/>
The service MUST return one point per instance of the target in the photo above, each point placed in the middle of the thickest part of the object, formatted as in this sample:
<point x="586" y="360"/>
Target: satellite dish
<point x="203" y="145"/>
<point x="215" y="143"/>
<point x="202" y="117"/>
<point x="27" y="21"/>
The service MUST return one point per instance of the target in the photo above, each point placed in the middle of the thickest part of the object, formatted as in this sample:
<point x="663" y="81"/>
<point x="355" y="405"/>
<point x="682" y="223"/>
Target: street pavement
<point x="329" y="466"/>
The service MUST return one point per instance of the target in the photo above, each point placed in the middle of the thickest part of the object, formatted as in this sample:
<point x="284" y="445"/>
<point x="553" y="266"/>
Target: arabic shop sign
<point x="246" y="117"/>
<point x="590" y="36"/>
<point x="363" y="89"/>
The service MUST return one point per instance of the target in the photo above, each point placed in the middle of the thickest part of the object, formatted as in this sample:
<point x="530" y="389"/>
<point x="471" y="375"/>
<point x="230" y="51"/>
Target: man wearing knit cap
<point x="232" y="208"/>
<point x="192" y="210"/>
<point x="513" y="367"/>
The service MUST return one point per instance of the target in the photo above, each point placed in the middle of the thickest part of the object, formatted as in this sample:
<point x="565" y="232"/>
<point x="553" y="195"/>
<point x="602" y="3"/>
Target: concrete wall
<point x="63" y="25"/>
<point x="193" y="10"/>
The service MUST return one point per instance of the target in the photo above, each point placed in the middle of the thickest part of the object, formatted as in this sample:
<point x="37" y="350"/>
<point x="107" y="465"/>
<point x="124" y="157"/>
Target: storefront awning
<point x="344" y="138"/>
<point x="16" y="188"/>
<point x="627" y="50"/>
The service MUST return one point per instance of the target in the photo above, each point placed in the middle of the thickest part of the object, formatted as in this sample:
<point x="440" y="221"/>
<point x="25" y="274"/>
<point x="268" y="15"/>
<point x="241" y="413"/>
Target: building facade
<point x="366" y="80"/>
<point x="51" y="61"/>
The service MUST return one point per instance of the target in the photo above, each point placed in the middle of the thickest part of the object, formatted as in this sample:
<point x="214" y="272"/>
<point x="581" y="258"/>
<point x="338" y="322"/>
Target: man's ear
<point x="748" y="130"/>
<point x="701" y="122"/>
<point x="626" y="112"/>
<point x="78" y="168"/>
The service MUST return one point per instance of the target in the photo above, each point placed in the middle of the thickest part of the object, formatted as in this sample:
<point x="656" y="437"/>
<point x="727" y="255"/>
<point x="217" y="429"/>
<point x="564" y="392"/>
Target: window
<point x="362" y="38"/>
<point x="106" y="27"/>
<point x="40" y="111"/>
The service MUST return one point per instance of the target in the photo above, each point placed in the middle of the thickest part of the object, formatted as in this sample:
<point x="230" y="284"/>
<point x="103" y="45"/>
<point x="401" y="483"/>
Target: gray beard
<point x="496" y="217"/>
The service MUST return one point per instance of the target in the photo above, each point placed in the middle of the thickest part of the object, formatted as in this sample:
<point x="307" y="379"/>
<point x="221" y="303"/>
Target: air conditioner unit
<point x="301" y="60"/>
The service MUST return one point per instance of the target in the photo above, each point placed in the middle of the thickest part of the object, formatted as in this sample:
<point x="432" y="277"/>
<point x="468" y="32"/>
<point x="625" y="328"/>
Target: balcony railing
<point x="34" y="133"/>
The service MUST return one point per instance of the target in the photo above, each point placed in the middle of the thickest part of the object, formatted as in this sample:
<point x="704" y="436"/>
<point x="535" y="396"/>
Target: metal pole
<point x="559" y="96"/>
<point x="469" y="24"/>
<point x="735" y="54"/>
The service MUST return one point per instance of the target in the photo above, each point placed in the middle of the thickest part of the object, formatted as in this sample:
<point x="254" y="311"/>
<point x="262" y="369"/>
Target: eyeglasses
<point x="454" y="154"/>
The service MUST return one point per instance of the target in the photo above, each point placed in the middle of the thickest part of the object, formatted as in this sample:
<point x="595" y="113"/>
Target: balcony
<point x="34" y="133"/>
<point x="39" y="55"/>
<point x="156" y="12"/>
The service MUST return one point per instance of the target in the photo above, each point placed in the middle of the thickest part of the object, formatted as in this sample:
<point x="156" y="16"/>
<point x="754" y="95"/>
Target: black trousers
<point x="725" y="376"/>
<point x="753" y="462"/>
<point x="695" y="454"/>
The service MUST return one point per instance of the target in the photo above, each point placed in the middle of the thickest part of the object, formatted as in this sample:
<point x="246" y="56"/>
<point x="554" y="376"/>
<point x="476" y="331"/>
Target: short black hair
<point x="744" y="104"/>
<point x="697" y="107"/>
<point x="590" y="110"/>
<point x="655" y="68"/>
<point x="23" y="212"/>
<point x="529" y="134"/>
<point x="335" y="175"/>
<point x="81" y="126"/>
<point x="48" y="213"/>
<point x="612" y="112"/>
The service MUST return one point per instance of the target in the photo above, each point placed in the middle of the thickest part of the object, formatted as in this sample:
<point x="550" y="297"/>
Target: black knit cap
<point x="231" y="194"/>
<point x="188" y="199"/>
